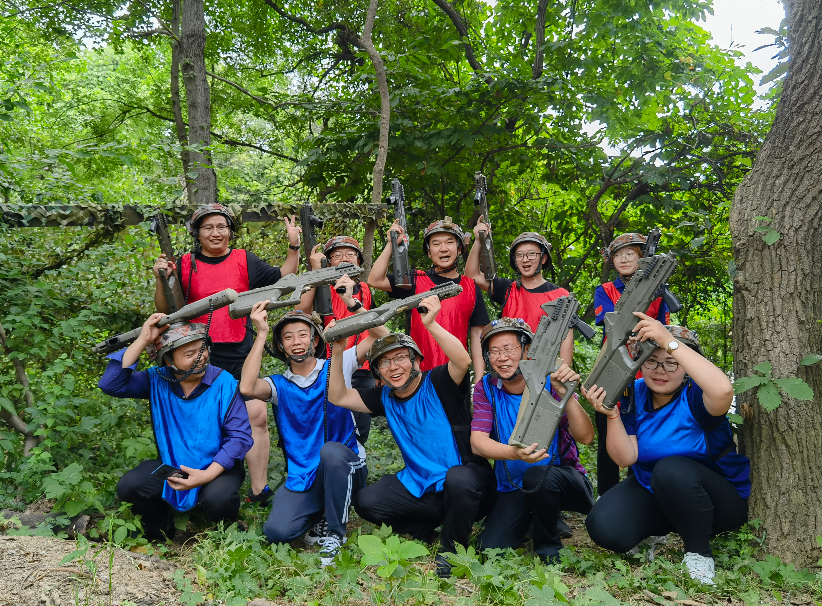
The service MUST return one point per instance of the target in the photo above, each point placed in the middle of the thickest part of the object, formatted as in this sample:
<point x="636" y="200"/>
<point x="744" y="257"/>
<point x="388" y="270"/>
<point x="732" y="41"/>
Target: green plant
<point x="768" y="388"/>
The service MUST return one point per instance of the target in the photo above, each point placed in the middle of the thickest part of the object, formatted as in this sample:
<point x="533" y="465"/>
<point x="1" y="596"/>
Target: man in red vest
<point x="522" y="297"/>
<point x="345" y="249"/>
<point x="443" y="243"/>
<point x="214" y="266"/>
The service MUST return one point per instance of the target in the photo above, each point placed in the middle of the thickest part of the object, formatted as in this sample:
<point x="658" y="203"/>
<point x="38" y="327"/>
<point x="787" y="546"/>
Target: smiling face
<point x="443" y="250"/>
<point x="504" y="354"/>
<point x="660" y="380"/>
<point x="296" y="338"/>
<point x="214" y="235"/>
<point x="626" y="260"/>
<point x="528" y="266"/>
<point x="343" y="254"/>
<point x="395" y="366"/>
<point x="185" y="355"/>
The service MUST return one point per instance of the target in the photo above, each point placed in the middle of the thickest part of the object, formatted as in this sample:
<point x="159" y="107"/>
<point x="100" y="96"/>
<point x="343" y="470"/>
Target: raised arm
<point x="621" y="447"/>
<point x="338" y="393"/>
<point x="251" y="385"/>
<point x="579" y="423"/>
<point x="566" y="350"/>
<point x="458" y="358"/>
<point x="292" y="259"/>
<point x="160" y="303"/>
<point x="315" y="262"/>
<point x="378" y="278"/>
<point x="476" y="351"/>
<point x="348" y="298"/>
<point x="472" y="268"/>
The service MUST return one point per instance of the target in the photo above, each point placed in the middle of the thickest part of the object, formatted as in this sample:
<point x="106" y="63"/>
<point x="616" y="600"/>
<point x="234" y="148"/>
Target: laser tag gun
<point x="322" y="296"/>
<point x="354" y="325"/>
<point x="539" y="412"/>
<point x="487" y="261"/>
<point x="187" y="312"/>
<point x="171" y="285"/>
<point x="671" y="300"/>
<point x="399" y="249"/>
<point x="614" y="367"/>
<point x="293" y="285"/>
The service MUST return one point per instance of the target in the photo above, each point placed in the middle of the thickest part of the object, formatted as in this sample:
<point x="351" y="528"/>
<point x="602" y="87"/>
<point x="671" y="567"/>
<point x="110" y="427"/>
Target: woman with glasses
<point x="624" y="254"/>
<point x="672" y="430"/>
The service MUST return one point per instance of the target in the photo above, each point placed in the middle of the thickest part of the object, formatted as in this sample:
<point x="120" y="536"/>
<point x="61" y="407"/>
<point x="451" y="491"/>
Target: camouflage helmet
<point x="343" y="242"/>
<point x="686" y="336"/>
<point x="631" y="239"/>
<point x="528" y="236"/>
<point x="210" y="209"/>
<point x="176" y="335"/>
<point x="295" y="315"/>
<point x="444" y="226"/>
<point x="516" y="325"/>
<point x="389" y="342"/>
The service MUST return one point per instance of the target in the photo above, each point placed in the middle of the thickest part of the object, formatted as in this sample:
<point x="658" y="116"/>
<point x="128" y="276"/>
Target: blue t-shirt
<point x="685" y="428"/>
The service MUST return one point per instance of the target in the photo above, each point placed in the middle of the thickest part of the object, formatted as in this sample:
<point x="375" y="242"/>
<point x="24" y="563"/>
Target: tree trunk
<point x="176" y="105"/>
<point x="777" y="302"/>
<point x="198" y="97"/>
<point x="11" y="419"/>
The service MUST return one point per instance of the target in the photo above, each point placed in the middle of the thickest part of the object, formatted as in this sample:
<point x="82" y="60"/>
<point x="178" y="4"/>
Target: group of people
<point x="209" y="412"/>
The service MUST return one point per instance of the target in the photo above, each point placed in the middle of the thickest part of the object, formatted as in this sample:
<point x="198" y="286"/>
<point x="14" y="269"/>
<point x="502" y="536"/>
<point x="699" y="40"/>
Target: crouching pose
<point x="532" y="486"/>
<point x="200" y="427"/>
<point x="442" y="482"/>
<point x="673" y="432"/>
<point x="326" y="465"/>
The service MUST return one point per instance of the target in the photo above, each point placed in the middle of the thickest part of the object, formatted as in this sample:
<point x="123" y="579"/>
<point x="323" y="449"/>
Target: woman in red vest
<point x="443" y="243"/>
<point x="624" y="254"/>
<point x="522" y="297"/>
<point x="214" y="266"/>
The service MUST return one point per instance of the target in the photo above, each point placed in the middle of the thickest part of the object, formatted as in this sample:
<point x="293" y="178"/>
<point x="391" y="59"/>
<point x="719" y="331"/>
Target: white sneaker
<point x="700" y="567"/>
<point x="317" y="532"/>
<point x="331" y="544"/>
<point x="653" y="542"/>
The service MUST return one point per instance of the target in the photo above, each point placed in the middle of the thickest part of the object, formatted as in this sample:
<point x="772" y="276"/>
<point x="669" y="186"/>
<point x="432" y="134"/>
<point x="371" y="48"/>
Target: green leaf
<point x="810" y="359"/>
<point x="697" y="242"/>
<point x="763" y="368"/>
<point x="769" y="396"/>
<point x="74" y="507"/>
<point x="370" y="544"/>
<point x="6" y="403"/>
<point x="743" y="384"/>
<point x="771" y="237"/>
<point x="795" y="387"/>
<point x="120" y="534"/>
<point x="385" y="571"/>
<point x="181" y="521"/>
<point x="763" y="218"/>
<point x="774" y="73"/>
<point x="409" y="550"/>
<point x="735" y="418"/>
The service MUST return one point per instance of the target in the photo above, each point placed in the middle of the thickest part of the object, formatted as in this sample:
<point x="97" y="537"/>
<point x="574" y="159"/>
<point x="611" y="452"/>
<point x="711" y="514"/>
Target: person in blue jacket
<point x="326" y="464"/>
<point x="200" y="427"/>
<point x="671" y="429"/>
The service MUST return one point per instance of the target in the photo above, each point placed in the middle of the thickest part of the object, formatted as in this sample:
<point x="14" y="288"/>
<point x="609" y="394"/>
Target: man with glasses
<point x="214" y="266"/>
<point x="443" y="482"/>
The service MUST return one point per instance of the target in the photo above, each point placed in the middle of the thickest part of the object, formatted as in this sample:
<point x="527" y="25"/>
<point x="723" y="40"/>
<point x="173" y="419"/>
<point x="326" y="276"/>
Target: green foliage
<point x="768" y="388"/>
<point x="769" y="235"/>
<point x="391" y="556"/>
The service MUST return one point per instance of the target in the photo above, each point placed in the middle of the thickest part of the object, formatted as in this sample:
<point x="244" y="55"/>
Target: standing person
<point x="443" y="243"/>
<point x="326" y="465"/>
<point x="200" y="426"/>
<point x="443" y="482"/>
<point x="673" y="432"/>
<point x="522" y="297"/>
<point x="533" y="486"/>
<point x="345" y="249"/>
<point x="214" y="266"/>
<point x="624" y="254"/>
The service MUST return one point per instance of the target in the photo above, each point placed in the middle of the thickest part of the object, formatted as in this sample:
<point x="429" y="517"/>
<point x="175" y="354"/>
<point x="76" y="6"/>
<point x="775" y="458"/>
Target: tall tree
<point x="777" y="303"/>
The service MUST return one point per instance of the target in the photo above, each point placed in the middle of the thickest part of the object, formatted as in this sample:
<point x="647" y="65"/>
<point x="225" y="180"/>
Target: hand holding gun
<point x="309" y="222"/>
<point x="171" y="286"/>
<point x="487" y="261"/>
<point x="399" y="245"/>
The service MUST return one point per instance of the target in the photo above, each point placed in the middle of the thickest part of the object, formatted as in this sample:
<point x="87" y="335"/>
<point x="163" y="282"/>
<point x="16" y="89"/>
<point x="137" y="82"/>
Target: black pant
<point x="466" y="497"/>
<point x="560" y="489"/>
<point x="607" y="470"/>
<point x="687" y="498"/>
<point x="218" y="500"/>
<point x="362" y="379"/>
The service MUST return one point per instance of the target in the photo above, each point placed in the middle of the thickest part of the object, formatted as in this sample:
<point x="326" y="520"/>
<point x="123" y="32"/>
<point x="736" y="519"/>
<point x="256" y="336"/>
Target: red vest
<point x="453" y="317"/>
<point x="521" y="303"/>
<point x="341" y="311"/>
<point x="209" y="279"/>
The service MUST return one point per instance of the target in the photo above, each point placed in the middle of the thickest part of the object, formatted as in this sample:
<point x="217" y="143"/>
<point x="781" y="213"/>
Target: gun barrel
<point x="116" y="342"/>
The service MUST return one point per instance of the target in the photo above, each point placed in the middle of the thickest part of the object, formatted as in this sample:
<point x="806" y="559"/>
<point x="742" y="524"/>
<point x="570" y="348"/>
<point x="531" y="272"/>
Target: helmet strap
<point x="411" y="376"/>
<point x="303" y="357"/>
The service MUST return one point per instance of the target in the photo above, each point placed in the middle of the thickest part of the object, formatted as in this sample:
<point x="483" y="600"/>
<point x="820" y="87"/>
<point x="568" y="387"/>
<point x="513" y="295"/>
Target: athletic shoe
<point x="563" y="529"/>
<point x="317" y="532"/>
<point x="653" y="542"/>
<point x="443" y="566"/>
<point x="263" y="498"/>
<point x="700" y="567"/>
<point x="331" y="544"/>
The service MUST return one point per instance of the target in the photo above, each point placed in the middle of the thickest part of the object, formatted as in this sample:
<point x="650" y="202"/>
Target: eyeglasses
<point x="352" y="254"/>
<point x="530" y="255"/>
<point x="207" y="229"/>
<point x="668" y="365"/>
<point x="399" y="360"/>
<point x="627" y="256"/>
<point x="506" y="351"/>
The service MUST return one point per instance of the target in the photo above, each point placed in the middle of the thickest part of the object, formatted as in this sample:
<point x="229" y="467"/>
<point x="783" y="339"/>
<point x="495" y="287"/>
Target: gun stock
<point x="172" y="291"/>
<point x="651" y="246"/>
<point x="487" y="260"/>
<point x="399" y="248"/>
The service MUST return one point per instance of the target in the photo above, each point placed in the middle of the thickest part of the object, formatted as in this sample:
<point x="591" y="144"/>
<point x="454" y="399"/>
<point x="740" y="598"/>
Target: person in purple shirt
<point x="200" y="427"/>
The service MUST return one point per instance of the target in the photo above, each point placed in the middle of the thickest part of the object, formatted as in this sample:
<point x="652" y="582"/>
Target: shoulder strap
<point x="612" y="292"/>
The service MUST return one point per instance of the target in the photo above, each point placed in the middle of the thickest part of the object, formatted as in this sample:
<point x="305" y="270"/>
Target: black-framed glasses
<point x="399" y="360"/>
<point x="530" y="255"/>
<point x="668" y="365"/>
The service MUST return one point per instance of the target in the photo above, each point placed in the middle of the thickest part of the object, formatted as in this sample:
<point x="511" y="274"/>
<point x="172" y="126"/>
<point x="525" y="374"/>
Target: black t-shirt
<point x="479" y="317"/>
<point x="260" y="274"/>
<point x="500" y="287"/>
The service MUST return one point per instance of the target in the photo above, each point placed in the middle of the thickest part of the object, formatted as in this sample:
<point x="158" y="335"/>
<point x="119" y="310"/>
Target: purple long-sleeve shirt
<point x="127" y="383"/>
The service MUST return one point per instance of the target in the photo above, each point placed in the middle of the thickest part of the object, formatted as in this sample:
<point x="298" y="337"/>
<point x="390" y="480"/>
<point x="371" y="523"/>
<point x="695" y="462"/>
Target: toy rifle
<point x="671" y="300"/>
<point x="539" y="412"/>
<point x="187" y="312"/>
<point x="399" y="247"/>
<point x="294" y="285"/>
<point x="614" y="367"/>
<point x="171" y="286"/>
<point x="322" y="296"/>
<point x="487" y="261"/>
<point x="354" y="325"/>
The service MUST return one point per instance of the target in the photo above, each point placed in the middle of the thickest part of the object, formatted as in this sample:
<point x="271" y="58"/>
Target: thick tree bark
<point x="198" y="97"/>
<point x="12" y="420"/>
<point x="778" y="300"/>
<point x="539" y="56"/>
<point x="176" y="105"/>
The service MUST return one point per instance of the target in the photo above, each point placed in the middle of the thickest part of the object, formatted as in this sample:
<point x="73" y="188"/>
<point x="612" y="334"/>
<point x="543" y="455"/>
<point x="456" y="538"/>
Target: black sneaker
<point x="263" y="498"/>
<point x="317" y="532"/>
<point x="443" y="566"/>
<point x="563" y="530"/>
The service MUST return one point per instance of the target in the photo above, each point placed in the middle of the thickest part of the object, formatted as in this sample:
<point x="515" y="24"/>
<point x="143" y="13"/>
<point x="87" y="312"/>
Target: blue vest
<point x="425" y="438"/>
<point x="189" y="432"/>
<point x="674" y="431"/>
<point x="505" y="407"/>
<point x="306" y="420"/>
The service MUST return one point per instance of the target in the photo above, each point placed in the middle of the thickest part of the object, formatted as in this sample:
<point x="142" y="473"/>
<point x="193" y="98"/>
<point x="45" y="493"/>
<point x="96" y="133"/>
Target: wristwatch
<point x="357" y="305"/>
<point x="672" y="347"/>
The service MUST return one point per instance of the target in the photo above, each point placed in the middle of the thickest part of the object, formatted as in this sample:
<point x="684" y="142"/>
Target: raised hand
<point x="259" y="317"/>
<point x="163" y="263"/>
<point x="648" y="328"/>
<point x="150" y="331"/>
<point x="293" y="229"/>
<point x="562" y="375"/>
<point x="596" y="396"/>
<point x="480" y="226"/>
<point x="433" y="306"/>
<point x="317" y="256"/>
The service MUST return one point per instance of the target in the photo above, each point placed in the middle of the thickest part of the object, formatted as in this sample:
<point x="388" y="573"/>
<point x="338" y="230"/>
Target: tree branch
<point x="13" y="421"/>
<point x="462" y="29"/>
<point x="542" y="7"/>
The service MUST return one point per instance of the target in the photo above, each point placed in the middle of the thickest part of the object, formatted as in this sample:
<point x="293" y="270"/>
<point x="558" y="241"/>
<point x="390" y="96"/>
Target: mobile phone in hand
<point x="167" y="471"/>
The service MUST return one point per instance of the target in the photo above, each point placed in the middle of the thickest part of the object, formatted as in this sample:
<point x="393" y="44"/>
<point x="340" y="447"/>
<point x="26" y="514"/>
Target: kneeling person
<point x="200" y="426"/>
<point x="442" y="482"/>
<point x="326" y="464"/>
<point x="532" y="486"/>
